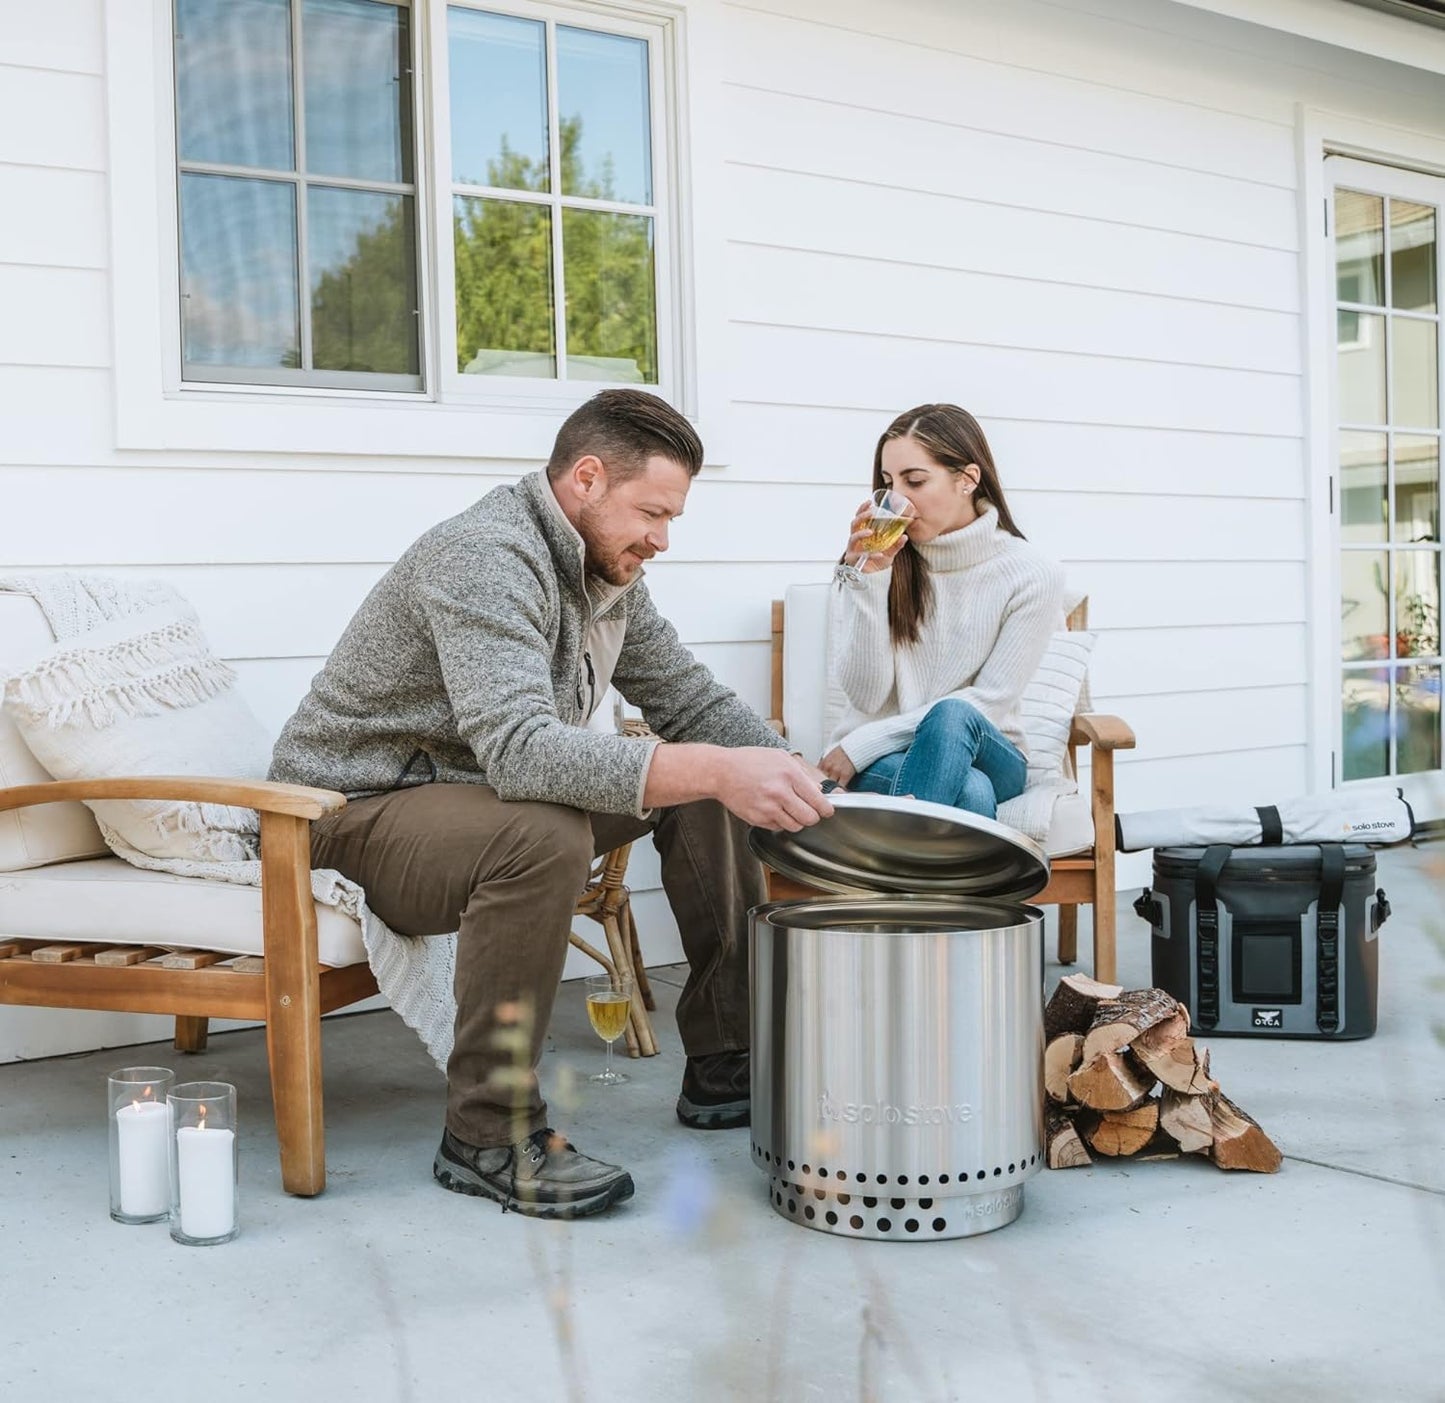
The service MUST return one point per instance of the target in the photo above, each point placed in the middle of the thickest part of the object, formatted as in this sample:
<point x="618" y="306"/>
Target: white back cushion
<point x="49" y="832"/>
<point x="1047" y="707"/>
<point x="806" y="623"/>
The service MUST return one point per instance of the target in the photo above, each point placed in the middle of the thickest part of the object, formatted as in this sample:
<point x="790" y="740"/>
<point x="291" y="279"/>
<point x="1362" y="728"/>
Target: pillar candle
<point x="206" y="1177"/>
<point x="142" y="1129"/>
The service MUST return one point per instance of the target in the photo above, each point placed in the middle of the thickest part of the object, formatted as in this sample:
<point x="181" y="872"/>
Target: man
<point x="452" y="715"/>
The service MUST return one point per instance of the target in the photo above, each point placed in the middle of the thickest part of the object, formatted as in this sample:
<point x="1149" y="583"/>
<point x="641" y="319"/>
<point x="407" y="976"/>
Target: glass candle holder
<point x="139" y="1143"/>
<point x="203" y="1163"/>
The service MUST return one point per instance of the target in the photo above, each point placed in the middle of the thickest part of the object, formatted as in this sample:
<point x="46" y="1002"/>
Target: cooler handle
<point x="1206" y="920"/>
<point x="1327" y="929"/>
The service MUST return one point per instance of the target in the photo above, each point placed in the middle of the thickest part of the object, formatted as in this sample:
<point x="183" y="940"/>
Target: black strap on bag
<point x="1271" y="830"/>
<point x="1206" y="920"/>
<point x="1327" y="933"/>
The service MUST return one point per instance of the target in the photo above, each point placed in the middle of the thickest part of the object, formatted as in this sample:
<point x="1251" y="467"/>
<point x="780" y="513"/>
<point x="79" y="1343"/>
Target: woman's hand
<point x="858" y="533"/>
<point x="838" y="767"/>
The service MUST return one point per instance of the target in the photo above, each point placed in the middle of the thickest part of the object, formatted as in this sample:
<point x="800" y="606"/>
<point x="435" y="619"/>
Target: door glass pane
<point x="1363" y="488"/>
<point x="1366" y="729"/>
<point x="1414" y="377"/>
<point x="1362" y="368"/>
<point x="504" y="288"/>
<point x="611" y="303"/>
<point x="1417" y="488"/>
<point x="238" y="272"/>
<point x="358" y="99"/>
<point x="1364" y="605"/>
<point x="498" y="97"/>
<point x="1417" y="604"/>
<point x="363" y="281"/>
<point x="1359" y="248"/>
<point x="1412" y="256"/>
<point x="1417" y="719"/>
<point x="603" y="110"/>
<point x="233" y="82"/>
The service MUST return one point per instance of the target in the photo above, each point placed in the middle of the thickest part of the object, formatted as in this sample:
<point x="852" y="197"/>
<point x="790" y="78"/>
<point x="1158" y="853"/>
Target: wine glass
<point x="886" y="520"/>
<point x="609" y="1001"/>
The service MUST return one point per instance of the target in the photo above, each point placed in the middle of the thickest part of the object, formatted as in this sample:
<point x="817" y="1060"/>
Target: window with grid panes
<point x="300" y="219"/>
<point x="1388" y="330"/>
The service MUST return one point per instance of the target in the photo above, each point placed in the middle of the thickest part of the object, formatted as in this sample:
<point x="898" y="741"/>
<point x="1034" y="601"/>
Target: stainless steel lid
<point x="878" y="843"/>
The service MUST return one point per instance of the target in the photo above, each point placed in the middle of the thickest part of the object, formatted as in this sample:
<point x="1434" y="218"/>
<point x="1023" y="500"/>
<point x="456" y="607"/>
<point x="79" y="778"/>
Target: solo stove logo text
<point x="882" y="1113"/>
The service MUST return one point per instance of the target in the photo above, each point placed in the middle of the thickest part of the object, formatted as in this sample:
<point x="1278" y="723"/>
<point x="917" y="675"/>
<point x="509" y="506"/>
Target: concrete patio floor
<point x="1162" y="1281"/>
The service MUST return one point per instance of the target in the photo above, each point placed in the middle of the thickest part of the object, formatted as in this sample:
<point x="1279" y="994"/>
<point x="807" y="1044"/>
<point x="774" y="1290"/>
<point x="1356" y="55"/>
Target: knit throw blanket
<point x="414" y="974"/>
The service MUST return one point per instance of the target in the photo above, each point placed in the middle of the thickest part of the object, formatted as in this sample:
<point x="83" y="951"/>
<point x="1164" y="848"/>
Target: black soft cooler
<point x="1268" y="941"/>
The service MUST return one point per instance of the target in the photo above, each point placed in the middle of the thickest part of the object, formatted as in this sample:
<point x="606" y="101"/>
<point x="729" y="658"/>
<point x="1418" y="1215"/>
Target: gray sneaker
<point x="542" y="1176"/>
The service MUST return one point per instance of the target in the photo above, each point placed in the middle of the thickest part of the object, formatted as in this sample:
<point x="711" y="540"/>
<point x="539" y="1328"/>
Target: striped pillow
<point x="1048" y="704"/>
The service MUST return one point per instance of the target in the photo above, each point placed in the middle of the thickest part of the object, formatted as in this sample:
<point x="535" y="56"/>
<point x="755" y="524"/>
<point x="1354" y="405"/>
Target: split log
<point x="1117" y="1133"/>
<point x="1061" y="1057"/>
<point x="1239" y="1142"/>
<point x="1188" y="1120"/>
<point x="1173" y="1056"/>
<point x="1113" y="1081"/>
<point x="1117" y="1022"/>
<point x="1071" y="1007"/>
<point x="1065" y="1149"/>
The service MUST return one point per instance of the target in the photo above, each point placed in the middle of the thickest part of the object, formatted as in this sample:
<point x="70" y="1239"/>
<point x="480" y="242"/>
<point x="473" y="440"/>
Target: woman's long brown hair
<point x="953" y="438"/>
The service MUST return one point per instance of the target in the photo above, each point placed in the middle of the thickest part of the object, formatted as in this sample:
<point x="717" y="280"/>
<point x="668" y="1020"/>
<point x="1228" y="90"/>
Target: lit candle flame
<point x="202" y="1123"/>
<point x="147" y="1092"/>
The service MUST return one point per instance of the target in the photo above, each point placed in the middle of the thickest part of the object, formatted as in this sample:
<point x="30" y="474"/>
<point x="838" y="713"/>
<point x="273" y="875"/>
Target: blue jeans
<point x="958" y="757"/>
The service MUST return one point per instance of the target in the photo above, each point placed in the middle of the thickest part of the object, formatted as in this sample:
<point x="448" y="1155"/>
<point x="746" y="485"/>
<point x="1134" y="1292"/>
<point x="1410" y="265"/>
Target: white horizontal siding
<point x="821" y="368"/>
<point x="66" y="35"/>
<point x="906" y="73"/>
<point x="54" y="317"/>
<point x="70" y="135"/>
<point x="832" y="292"/>
<point x="974" y="232"/>
<point x="833" y="137"/>
<point x="57" y="218"/>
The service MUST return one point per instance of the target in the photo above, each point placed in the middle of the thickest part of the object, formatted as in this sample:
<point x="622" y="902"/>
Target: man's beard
<point x="605" y="565"/>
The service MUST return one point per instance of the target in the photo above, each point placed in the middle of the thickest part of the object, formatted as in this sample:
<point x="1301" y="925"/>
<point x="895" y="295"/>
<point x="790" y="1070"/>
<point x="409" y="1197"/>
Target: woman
<point x="940" y="633"/>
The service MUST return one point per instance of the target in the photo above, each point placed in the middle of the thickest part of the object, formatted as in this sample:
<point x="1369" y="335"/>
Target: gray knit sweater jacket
<point x="476" y="659"/>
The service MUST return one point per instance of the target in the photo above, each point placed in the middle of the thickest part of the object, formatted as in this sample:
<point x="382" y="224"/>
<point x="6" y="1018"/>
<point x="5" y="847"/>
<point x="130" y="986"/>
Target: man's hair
<point x="624" y="428"/>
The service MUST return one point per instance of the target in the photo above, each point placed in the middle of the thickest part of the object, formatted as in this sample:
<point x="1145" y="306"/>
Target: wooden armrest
<point x="294" y="800"/>
<point x="1104" y="732"/>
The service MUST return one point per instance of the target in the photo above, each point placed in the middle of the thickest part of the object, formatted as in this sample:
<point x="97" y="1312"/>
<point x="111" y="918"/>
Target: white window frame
<point x="507" y="419"/>
<point x="1323" y="134"/>
<point x="458" y="388"/>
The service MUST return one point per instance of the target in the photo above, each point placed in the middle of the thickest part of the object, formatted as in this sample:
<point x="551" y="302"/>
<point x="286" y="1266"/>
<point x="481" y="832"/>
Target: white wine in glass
<point x="891" y="513"/>
<point x="609" y="1001"/>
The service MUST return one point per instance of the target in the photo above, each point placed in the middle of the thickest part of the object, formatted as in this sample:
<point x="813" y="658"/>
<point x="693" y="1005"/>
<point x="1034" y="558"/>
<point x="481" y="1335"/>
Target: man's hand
<point x="770" y="789"/>
<point x="837" y="766"/>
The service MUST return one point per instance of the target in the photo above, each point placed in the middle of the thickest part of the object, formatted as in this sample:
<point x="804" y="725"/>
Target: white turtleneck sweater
<point x="996" y="601"/>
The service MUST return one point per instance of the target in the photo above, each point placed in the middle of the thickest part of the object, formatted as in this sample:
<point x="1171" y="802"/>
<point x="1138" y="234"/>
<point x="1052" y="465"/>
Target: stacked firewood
<point x="1122" y="1076"/>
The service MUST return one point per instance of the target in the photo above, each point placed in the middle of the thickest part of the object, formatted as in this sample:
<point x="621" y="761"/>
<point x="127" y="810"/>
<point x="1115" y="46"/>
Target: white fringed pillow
<point x="144" y="695"/>
<point x="1048" y="704"/>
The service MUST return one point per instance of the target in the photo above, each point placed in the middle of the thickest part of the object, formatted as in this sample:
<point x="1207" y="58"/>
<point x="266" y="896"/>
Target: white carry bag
<point x="1368" y="816"/>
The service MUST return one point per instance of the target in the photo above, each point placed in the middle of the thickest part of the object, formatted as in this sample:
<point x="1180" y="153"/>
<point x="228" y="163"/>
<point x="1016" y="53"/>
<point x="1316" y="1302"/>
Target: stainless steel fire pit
<point x="897" y="1036"/>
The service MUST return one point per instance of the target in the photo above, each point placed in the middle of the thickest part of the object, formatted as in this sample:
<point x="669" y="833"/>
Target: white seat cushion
<point x="110" y="902"/>
<point x="45" y="832"/>
<point x="1071" y="830"/>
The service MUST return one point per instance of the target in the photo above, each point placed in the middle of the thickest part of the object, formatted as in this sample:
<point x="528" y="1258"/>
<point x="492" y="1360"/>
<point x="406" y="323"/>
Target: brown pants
<point x="444" y="857"/>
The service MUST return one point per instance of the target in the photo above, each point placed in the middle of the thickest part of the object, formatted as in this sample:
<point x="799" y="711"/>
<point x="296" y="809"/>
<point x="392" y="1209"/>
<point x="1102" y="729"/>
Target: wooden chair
<point x="1083" y="878"/>
<point x="288" y="989"/>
